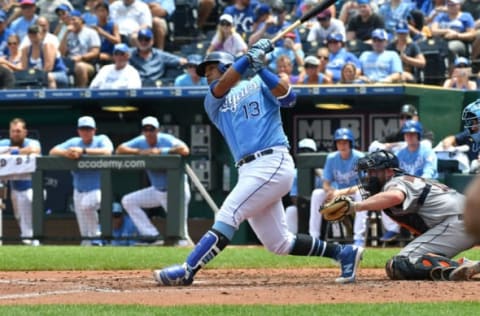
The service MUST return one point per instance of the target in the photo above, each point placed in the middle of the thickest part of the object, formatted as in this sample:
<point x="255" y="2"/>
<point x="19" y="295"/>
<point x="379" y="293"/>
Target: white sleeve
<point x="99" y="79"/>
<point x="134" y="79"/>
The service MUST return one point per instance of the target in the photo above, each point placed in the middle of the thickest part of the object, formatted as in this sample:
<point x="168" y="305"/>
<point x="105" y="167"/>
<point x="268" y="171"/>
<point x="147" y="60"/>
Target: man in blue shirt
<point x="20" y="25"/>
<point x="86" y="183"/>
<point x="190" y="77"/>
<point x="339" y="56"/>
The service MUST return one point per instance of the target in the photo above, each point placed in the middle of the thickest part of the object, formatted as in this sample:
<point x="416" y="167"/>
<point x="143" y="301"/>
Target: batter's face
<point x="17" y="133"/>
<point x="212" y="73"/>
<point x="86" y="134"/>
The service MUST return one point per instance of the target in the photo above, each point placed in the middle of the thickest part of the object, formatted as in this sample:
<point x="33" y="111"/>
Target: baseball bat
<point x="200" y="188"/>
<point x="305" y="17"/>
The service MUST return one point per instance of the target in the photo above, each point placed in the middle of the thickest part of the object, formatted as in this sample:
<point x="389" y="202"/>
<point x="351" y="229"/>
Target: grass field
<point x="17" y="258"/>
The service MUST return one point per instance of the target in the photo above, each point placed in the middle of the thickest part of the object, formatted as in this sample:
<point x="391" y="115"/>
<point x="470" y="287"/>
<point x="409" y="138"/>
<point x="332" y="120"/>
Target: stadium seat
<point x="30" y="79"/>
<point x="357" y="47"/>
<point x="435" y="51"/>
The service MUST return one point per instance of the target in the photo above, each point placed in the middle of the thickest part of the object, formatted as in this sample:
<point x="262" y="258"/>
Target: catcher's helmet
<point x="344" y="133"/>
<point x="409" y="110"/>
<point x="380" y="159"/>
<point x="471" y="116"/>
<point x="412" y="126"/>
<point x="223" y="59"/>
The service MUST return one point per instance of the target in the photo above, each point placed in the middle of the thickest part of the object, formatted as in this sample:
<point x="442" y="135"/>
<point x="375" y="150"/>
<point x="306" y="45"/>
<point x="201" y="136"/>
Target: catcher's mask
<point x="378" y="160"/>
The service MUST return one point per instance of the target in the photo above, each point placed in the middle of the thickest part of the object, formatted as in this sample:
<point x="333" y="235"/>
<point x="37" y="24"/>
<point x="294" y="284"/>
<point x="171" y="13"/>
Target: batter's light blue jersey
<point x="341" y="172"/>
<point x="420" y="163"/>
<point x="158" y="178"/>
<point x="21" y="185"/>
<point x="248" y="118"/>
<point x="88" y="180"/>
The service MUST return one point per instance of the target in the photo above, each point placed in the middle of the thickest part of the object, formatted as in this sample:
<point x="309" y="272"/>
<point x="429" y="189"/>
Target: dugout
<point x="369" y="110"/>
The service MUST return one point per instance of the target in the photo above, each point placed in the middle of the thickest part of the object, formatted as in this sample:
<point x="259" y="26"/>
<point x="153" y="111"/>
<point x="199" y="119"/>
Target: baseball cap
<point x="401" y="27"/>
<point x="363" y="1"/>
<point x="307" y="143"/>
<point x="62" y="7"/>
<point x="456" y="1"/>
<point x="194" y="59"/>
<point x="150" y="120"/>
<point x="290" y="35"/>
<point x="335" y="37"/>
<point x="86" y="121"/>
<point x="380" y="34"/>
<point x="146" y="33"/>
<point x="226" y="17"/>
<point x="3" y="16"/>
<point x="76" y="13"/>
<point x="121" y="47"/>
<point x="325" y="14"/>
<point x="311" y="60"/>
<point x="408" y="109"/>
<point x="27" y="2"/>
<point x="461" y="61"/>
<point x="261" y="9"/>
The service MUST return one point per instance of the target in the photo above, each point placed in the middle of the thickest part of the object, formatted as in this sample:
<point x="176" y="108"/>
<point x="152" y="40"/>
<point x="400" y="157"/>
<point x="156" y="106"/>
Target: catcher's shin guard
<point x="400" y="267"/>
<point x="210" y="245"/>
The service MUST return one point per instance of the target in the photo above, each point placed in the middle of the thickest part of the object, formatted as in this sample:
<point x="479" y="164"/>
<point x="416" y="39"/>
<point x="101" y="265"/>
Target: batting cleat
<point x="350" y="257"/>
<point x="173" y="276"/>
<point x="466" y="270"/>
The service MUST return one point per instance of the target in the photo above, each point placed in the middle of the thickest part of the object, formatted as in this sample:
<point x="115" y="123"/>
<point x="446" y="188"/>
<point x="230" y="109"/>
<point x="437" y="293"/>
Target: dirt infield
<point x="222" y="286"/>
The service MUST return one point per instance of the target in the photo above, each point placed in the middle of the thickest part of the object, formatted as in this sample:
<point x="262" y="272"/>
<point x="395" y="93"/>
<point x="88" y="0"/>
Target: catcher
<point x="431" y="211"/>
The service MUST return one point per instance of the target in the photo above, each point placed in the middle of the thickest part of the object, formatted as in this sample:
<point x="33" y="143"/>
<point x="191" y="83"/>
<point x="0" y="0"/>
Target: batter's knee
<point x="282" y="247"/>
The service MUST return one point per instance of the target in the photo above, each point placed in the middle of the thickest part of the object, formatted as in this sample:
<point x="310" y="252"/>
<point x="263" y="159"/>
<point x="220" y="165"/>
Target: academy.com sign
<point x="111" y="164"/>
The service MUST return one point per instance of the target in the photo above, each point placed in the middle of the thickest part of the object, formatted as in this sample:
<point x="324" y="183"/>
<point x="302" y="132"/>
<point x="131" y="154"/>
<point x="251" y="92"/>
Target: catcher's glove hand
<point x="336" y="210"/>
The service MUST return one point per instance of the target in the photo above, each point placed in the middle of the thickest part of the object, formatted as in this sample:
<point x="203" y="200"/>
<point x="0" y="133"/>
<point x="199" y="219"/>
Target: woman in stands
<point x="44" y="56"/>
<point x="12" y="60"/>
<point x="460" y="77"/>
<point x="227" y="39"/>
<point x="108" y="32"/>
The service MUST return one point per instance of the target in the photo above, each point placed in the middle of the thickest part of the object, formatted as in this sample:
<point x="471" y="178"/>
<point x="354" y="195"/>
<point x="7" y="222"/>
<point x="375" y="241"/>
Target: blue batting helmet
<point x="223" y="59"/>
<point x="412" y="126"/>
<point x="471" y="116"/>
<point x="344" y="133"/>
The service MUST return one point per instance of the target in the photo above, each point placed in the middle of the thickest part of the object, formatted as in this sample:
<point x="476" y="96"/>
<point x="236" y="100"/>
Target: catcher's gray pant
<point x="150" y="197"/>
<point x="86" y="205"/>
<point x="447" y="239"/>
<point x="22" y="210"/>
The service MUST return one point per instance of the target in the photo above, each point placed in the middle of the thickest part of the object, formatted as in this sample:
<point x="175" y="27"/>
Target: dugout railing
<point x="174" y="165"/>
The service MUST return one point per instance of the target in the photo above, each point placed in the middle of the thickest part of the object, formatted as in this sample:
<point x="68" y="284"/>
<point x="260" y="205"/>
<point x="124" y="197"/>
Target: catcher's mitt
<point x="336" y="210"/>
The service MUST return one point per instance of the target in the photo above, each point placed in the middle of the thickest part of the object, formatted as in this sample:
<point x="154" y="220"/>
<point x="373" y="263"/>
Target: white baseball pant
<point x="86" y="205"/>
<point x="291" y="216"/>
<point x="22" y="210"/>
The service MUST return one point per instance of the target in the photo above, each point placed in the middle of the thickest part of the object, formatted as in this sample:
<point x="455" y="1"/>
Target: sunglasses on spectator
<point x="148" y="129"/>
<point x="322" y="57"/>
<point x="225" y="23"/>
<point x="310" y="66"/>
<point x="144" y="39"/>
<point x="462" y="66"/>
<point x="119" y="53"/>
<point x="12" y="43"/>
<point x="405" y="117"/>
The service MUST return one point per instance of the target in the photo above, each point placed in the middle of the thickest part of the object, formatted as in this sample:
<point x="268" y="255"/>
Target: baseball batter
<point x="431" y="211"/>
<point x="21" y="190"/>
<point x="86" y="183"/>
<point x="152" y="142"/>
<point x="339" y="178"/>
<point x="247" y="114"/>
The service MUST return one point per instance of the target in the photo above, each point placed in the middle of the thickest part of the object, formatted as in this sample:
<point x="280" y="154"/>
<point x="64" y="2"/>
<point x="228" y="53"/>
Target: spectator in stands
<point x="48" y="37"/>
<point x="460" y="76"/>
<point x="305" y="145"/>
<point x="90" y="16"/>
<point x="285" y="69"/>
<point x="380" y="65"/>
<point x="44" y="56"/>
<point x="61" y="29"/>
<point x="119" y="75"/>
<point x="456" y="27"/>
<point x="289" y="49"/>
<point x="243" y="13"/>
<point x="350" y="75"/>
<point x="107" y="29"/>
<point x="190" y="77"/>
<point x="323" y="56"/>
<point x="21" y="190"/>
<point x="409" y="52"/>
<point x="325" y="26"/>
<point x="311" y="73"/>
<point x="161" y="10"/>
<point x="5" y="33"/>
<point x="262" y="13"/>
<point x="86" y="183"/>
<point x="361" y="26"/>
<point x="28" y="17"/>
<point x="7" y="80"/>
<point x="431" y="12"/>
<point x="152" y="142"/>
<point x="338" y="56"/>
<point x="348" y="10"/>
<point x="151" y="62"/>
<point x="419" y="30"/>
<point x="205" y="8"/>
<point x="48" y="9"/>
<point x="81" y="46"/>
<point x="13" y="59"/>
<point x="226" y="39"/>
<point x="274" y="24"/>
<point x="131" y="16"/>
<point x="394" y="12"/>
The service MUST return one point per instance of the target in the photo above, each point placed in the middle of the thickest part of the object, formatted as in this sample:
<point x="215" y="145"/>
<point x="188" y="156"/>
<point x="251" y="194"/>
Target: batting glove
<point x="256" y="58"/>
<point x="264" y="45"/>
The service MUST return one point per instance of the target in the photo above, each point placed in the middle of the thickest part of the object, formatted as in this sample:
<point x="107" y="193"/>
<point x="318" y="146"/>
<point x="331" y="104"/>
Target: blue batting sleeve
<point x="270" y="79"/>
<point x="241" y="65"/>
<point x="289" y="99"/>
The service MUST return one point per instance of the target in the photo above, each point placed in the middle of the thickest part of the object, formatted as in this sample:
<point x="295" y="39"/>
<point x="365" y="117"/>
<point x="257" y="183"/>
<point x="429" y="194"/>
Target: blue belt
<point x="254" y="156"/>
